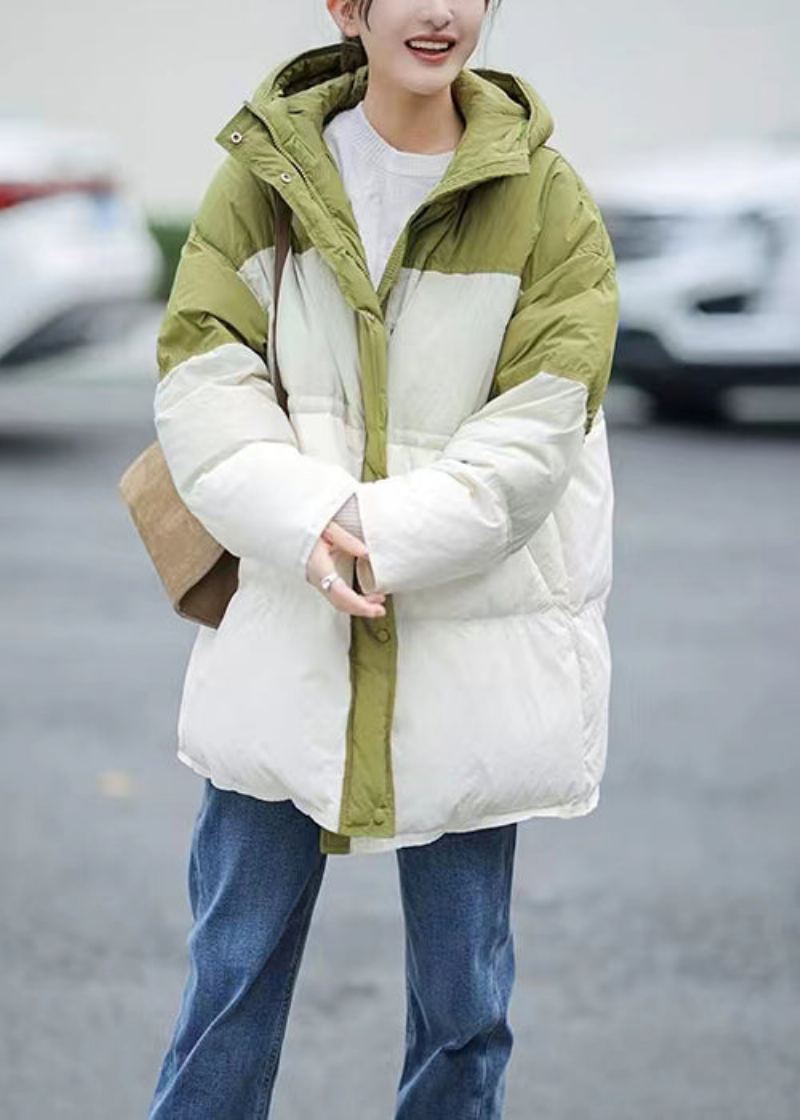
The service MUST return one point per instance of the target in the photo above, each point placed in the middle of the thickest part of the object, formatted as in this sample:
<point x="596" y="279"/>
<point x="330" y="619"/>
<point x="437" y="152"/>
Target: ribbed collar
<point x="374" y="149"/>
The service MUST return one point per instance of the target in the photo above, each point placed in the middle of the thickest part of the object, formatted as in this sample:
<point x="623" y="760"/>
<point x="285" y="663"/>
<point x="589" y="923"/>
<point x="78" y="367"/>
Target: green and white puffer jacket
<point x="462" y="402"/>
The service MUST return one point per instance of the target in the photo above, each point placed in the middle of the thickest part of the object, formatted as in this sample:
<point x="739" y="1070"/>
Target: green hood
<point x="504" y="114"/>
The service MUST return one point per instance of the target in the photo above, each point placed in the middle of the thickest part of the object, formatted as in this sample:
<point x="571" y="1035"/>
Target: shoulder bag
<point x="198" y="574"/>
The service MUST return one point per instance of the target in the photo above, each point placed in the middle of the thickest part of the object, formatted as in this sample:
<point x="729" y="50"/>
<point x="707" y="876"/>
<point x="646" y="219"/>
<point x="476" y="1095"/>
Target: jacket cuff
<point x="425" y="527"/>
<point x="269" y="502"/>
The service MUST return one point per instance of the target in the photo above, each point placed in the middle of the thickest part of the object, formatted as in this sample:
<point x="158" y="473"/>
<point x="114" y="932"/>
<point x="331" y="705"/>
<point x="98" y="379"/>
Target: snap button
<point x="286" y="177"/>
<point x="383" y="635"/>
<point x="236" y="137"/>
<point x="379" y="816"/>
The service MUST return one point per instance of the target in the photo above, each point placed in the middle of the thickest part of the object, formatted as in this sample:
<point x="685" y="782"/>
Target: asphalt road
<point x="657" y="939"/>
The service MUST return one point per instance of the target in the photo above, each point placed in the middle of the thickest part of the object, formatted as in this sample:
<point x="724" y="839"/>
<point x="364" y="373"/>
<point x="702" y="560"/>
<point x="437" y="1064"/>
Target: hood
<point x="506" y="119"/>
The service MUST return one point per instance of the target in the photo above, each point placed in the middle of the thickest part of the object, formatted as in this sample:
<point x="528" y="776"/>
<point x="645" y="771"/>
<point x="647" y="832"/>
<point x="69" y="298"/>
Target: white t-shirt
<point x="385" y="186"/>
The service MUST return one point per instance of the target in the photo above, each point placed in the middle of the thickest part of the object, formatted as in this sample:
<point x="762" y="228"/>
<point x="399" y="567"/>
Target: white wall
<point x="164" y="76"/>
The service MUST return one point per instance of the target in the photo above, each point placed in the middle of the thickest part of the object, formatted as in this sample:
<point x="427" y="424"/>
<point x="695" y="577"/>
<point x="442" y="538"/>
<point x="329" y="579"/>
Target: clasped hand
<point x="334" y="538"/>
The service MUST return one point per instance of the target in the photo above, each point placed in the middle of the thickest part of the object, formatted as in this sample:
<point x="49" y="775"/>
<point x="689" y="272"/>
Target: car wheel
<point x="688" y="406"/>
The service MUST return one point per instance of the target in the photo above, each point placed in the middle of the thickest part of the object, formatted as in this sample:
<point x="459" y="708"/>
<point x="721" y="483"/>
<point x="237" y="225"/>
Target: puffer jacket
<point x="462" y="402"/>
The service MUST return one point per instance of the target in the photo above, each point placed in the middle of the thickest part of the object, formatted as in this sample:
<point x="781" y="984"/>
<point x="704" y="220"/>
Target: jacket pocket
<point x="548" y="557"/>
<point x="593" y="654"/>
<point x="541" y="592"/>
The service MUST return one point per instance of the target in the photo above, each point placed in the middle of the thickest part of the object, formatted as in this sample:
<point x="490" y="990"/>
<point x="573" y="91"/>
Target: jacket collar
<point x="277" y="132"/>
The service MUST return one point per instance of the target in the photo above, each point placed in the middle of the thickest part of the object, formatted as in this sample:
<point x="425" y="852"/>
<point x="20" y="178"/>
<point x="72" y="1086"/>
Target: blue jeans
<point x="255" y="871"/>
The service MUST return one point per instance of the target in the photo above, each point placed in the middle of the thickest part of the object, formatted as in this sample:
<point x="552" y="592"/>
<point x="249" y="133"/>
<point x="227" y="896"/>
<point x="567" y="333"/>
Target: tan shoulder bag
<point x="198" y="574"/>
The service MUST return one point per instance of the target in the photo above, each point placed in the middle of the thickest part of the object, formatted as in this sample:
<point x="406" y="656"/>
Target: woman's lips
<point x="431" y="57"/>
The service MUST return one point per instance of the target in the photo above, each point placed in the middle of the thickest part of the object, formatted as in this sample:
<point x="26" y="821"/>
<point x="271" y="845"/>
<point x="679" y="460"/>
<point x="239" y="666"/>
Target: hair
<point x="363" y="8"/>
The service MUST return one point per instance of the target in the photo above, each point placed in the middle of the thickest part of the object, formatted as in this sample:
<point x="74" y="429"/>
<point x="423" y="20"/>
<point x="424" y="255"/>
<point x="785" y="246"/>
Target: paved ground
<point x="658" y="939"/>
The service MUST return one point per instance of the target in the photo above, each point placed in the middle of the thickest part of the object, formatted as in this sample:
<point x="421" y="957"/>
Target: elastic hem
<point x="369" y="845"/>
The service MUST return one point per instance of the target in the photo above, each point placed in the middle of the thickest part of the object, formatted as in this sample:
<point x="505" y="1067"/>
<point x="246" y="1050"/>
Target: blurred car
<point x="708" y="253"/>
<point x="77" y="258"/>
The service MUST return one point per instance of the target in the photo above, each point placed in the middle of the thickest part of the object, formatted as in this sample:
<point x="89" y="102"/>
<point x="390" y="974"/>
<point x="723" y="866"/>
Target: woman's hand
<point x="334" y="538"/>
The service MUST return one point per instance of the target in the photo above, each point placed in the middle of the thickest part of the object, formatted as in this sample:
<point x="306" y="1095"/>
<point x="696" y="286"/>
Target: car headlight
<point x="642" y="234"/>
<point x="767" y="232"/>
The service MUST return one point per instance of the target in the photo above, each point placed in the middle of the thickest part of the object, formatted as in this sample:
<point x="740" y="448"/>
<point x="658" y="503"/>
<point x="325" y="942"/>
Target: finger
<point x="345" y="598"/>
<point x="319" y="562"/>
<point x="339" y="536"/>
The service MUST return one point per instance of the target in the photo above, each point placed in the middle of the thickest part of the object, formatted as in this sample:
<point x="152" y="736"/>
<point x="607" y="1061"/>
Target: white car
<point x="77" y="258"/>
<point x="708" y="254"/>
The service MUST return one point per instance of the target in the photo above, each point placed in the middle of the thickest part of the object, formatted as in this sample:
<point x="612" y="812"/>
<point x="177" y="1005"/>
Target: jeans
<point x="254" y="874"/>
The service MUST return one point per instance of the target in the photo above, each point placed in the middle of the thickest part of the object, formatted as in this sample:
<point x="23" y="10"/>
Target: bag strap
<point x="282" y="220"/>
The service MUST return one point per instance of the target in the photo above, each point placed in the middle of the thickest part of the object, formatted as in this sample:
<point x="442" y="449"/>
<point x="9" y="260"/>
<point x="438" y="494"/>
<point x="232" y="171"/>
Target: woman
<point x="415" y="659"/>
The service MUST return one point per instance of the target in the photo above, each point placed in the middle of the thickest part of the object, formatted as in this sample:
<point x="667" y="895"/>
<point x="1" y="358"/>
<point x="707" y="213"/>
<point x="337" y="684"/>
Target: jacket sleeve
<point x="505" y="467"/>
<point x="228" y="444"/>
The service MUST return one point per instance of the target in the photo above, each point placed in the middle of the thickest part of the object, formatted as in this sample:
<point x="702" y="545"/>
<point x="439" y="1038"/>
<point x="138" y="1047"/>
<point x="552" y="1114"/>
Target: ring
<point x="326" y="581"/>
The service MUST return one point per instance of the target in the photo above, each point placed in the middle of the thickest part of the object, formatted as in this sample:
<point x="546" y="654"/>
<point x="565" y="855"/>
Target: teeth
<point x="429" y="45"/>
